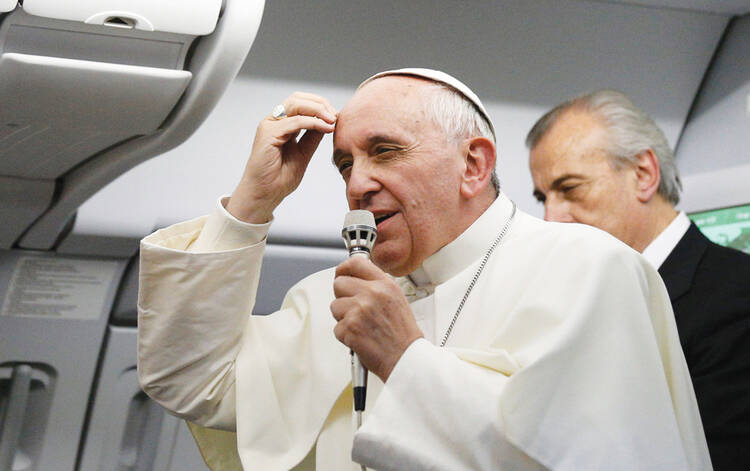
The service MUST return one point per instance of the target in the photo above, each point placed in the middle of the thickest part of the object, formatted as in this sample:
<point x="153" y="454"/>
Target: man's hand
<point x="374" y="318"/>
<point x="278" y="160"/>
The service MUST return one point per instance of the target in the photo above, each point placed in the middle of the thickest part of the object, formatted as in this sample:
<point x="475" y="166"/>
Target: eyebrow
<point x="560" y="180"/>
<point x="557" y="183"/>
<point x="370" y="141"/>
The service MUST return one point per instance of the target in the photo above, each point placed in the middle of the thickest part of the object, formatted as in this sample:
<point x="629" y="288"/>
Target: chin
<point x="389" y="262"/>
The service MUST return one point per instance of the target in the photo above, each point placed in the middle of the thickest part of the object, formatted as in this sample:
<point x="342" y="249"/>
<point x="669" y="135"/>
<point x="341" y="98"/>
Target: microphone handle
<point x="359" y="372"/>
<point x="359" y="383"/>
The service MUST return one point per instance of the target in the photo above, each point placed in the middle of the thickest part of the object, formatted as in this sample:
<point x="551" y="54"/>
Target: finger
<point x="308" y="108"/>
<point x="350" y="331"/>
<point x="288" y="128"/>
<point x="296" y="161"/>
<point x="347" y="286"/>
<point x="316" y="98"/>
<point x="341" y="306"/>
<point x="341" y="333"/>
<point x="359" y="267"/>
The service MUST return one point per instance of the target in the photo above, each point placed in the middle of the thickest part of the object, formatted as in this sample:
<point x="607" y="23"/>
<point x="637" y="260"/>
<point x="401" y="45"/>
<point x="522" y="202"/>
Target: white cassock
<point x="565" y="357"/>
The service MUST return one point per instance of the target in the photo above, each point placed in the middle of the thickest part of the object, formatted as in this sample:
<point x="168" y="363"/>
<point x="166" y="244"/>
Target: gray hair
<point x="630" y="130"/>
<point x="459" y="118"/>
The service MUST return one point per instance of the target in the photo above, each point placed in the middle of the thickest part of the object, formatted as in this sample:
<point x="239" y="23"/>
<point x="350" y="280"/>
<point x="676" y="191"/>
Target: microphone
<point x="359" y="234"/>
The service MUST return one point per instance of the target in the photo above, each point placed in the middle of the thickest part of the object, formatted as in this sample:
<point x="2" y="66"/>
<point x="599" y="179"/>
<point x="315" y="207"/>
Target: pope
<point x="495" y="340"/>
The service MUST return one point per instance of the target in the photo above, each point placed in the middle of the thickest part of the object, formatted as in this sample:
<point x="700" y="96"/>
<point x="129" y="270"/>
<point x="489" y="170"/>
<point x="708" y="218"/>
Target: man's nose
<point x="361" y="184"/>
<point x="557" y="211"/>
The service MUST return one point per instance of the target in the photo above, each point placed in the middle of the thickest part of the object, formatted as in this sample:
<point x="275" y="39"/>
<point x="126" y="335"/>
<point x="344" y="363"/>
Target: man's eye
<point x="344" y="166"/>
<point x="383" y="150"/>
<point x="570" y="192"/>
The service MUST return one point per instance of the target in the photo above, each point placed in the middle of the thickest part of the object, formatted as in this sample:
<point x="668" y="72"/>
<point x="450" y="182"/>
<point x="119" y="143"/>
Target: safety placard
<point x="60" y="287"/>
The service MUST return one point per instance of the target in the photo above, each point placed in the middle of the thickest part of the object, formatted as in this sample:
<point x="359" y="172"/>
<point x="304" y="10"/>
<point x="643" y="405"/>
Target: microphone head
<point x="359" y="217"/>
<point x="359" y="232"/>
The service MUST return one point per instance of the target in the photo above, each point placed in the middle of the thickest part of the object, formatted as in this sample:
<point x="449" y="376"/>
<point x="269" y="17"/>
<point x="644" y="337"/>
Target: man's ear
<point x="648" y="175"/>
<point x="479" y="159"/>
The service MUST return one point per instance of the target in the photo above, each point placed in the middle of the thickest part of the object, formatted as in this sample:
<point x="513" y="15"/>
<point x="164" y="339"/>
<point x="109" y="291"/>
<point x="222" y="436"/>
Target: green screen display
<point x="729" y="227"/>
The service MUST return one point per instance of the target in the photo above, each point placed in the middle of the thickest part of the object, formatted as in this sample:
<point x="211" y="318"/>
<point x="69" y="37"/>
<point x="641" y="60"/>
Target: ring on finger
<point x="279" y="111"/>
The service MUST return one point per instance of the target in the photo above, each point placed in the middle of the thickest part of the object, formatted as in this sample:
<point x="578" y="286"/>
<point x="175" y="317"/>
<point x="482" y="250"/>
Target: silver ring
<point x="278" y="112"/>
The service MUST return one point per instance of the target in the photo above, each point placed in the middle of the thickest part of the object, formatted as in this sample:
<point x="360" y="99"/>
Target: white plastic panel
<point x="715" y="189"/>
<point x="26" y="392"/>
<point x="196" y="17"/>
<point x="22" y="202"/>
<point x="28" y="34"/>
<point x="57" y="112"/>
<point x="127" y="430"/>
<point x="62" y="348"/>
<point x="717" y="134"/>
<point x="8" y="5"/>
<point x="715" y="145"/>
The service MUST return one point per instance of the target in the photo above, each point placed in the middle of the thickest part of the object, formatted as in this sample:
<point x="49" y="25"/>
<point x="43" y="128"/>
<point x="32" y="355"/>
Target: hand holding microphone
<point x="359" y="234"/>
<point x="374" y="317"/>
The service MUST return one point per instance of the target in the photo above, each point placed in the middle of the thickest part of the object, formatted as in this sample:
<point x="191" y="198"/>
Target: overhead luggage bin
<point x="96" y="105"/>
<point x="90" y="89"/>
<point x="195" y="17"/>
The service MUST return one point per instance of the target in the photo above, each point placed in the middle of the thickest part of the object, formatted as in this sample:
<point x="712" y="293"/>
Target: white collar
<point x="660" y="248"/>
<point x="471" y="245"/>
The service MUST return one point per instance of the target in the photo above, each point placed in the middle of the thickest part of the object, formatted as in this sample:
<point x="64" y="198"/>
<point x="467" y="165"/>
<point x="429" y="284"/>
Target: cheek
<point x="590" y="208"/>
<point x="604" y="208"/>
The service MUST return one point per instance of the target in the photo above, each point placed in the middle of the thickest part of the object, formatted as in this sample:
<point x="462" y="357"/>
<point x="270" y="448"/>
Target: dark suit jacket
<point x="709" y="286"/>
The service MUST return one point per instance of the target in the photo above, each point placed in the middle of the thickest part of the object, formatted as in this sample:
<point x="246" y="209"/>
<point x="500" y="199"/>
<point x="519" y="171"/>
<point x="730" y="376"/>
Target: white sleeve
<point x="200" y="349"/>
<point x="198" y="281"/>
<point x="223" y="231"/>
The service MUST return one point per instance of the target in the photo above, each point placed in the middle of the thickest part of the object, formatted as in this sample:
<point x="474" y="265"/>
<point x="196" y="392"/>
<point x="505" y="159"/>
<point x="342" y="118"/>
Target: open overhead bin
<point x="92" y="88"/>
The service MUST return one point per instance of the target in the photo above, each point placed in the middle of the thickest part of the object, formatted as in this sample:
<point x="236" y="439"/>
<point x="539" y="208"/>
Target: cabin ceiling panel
<point x="511" y="51"/>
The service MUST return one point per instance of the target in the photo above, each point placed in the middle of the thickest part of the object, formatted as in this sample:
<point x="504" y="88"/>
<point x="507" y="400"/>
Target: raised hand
<point x="374" y="317"/>
<point x="278" y="159"/>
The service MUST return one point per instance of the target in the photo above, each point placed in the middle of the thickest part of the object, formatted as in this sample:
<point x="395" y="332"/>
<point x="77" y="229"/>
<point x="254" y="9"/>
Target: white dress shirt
<point x="660" y="248"/>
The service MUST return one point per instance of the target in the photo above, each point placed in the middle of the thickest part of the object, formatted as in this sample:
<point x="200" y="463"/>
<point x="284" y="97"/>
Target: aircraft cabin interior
<point x="120" y="117"/>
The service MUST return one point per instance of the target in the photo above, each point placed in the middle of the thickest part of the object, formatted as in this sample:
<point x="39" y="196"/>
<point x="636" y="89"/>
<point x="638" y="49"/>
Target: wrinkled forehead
<point x="410" y="94"/>
<point x="389" y="102"/>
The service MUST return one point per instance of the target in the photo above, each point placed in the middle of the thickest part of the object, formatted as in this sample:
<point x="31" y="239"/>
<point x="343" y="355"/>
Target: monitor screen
<point x="729" y="227"/>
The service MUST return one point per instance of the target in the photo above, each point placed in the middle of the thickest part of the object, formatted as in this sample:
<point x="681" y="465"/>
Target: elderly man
<point x="599" y="160"/>
<point x="496" y="340"/>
